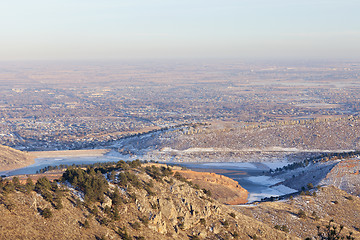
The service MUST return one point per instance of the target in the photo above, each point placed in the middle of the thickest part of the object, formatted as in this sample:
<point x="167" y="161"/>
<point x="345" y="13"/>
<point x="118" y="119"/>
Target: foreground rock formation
<point x="145" y="202"/>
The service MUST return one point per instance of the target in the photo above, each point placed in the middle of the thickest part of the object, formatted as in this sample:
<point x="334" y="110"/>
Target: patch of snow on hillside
<point x="233" y="165"/>
<point x="270" y="192"/>
<point x="264" y="180"/>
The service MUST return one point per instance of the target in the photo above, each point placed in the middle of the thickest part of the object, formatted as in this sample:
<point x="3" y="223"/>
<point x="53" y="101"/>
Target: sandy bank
<point x="70" y="153"/>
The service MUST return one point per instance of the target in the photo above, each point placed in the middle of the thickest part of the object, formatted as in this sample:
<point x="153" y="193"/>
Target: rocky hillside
<point x="135" y="202"/>
<point x="345" y="176"/>
<point x="301" y="215"/>
<point x="342" y="173"/>
<point x="11" y="158"/>
<point x="151" y="201"/>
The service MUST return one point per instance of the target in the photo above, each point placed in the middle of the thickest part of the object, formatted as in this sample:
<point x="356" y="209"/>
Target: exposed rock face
<point x="345" y="175"/>
<point x="222" y="188"/>
<point x="11" y="158"/>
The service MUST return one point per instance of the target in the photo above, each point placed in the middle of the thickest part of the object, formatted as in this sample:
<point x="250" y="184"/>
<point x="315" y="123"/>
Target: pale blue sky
<point x="120" y="29"/>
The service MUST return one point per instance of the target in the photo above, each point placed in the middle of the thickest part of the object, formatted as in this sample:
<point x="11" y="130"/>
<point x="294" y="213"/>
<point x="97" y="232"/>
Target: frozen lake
<point x="250" y="175"/>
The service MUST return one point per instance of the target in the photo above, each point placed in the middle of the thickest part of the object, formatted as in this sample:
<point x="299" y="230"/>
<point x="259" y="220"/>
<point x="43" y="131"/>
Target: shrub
<point x="29" y="185"/>
<point x="135" y="225"/>
<point x="8" y="187"/>
<point x="207" y="192"/>
<point x="116" y="198"/>
<point x="16" y="183"/>
<point x="93" y="184"/>
<point x="283" y="228"/>
<point x="225" y="223"/>
<point x="350" y="198"/>
<point x="46" y="213"/>
<point x="10" y="206"/>
<point x="122" y="165"/>
<point x="115" y="214"/>
<point x="301" y="214"/>
<point x="331" y="232"/>
<point x="179" y="177"/>
<point x="135" y="164"/>
<point x="42" y="184"/>
<point x="144" y="220"/>
<point x="86" y="224"/>
<point x="58" y="203"/>
<point x="166" y="171"/>
<point x="47" y="195"/>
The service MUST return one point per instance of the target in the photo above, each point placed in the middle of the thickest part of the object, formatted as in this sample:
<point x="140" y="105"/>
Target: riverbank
<point x="30" y="162"/>
<point x="69" y="153"/>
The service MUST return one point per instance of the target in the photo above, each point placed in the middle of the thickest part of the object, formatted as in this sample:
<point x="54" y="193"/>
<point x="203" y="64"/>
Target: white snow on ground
<point x="269" y="192"/>
<point x="77" y="193"/>
<point x="230" y="165"/>
<point x="283" y="189"/>
<point x="264" y="180"/>
<point x="274" y="165"/>
<point x="270" y="149"/>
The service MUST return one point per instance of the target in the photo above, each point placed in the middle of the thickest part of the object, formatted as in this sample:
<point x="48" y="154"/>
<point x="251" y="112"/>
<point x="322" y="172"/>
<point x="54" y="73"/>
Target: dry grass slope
<point x="328" y="203"/>
<point x="11" y="158"/>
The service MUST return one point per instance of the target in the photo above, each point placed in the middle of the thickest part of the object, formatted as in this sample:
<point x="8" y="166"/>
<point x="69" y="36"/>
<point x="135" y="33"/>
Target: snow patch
<point x="264" y="180"/>
<point x="270" y="192"/>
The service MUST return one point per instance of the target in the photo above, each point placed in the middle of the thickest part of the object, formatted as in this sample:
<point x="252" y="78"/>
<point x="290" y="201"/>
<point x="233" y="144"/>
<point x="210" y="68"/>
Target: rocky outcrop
<point x="222" y="188"/>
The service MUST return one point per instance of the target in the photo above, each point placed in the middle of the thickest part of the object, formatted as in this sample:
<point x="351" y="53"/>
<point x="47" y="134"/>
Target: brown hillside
<point x="222" y="188"/>
<point x="11" y="158"/>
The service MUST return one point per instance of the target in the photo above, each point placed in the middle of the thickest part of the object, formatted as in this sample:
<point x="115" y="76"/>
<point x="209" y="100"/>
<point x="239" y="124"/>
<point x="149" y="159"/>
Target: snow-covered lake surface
<point x="248" y="174"/>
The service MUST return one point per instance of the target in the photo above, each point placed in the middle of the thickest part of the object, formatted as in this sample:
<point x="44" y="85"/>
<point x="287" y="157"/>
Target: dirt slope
<point x="222" y="188"/>
<point x="11" y="158"/>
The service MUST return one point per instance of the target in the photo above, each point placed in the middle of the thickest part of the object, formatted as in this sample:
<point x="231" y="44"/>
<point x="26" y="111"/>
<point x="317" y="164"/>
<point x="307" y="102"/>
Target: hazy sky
<point x="120" y="29"/>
